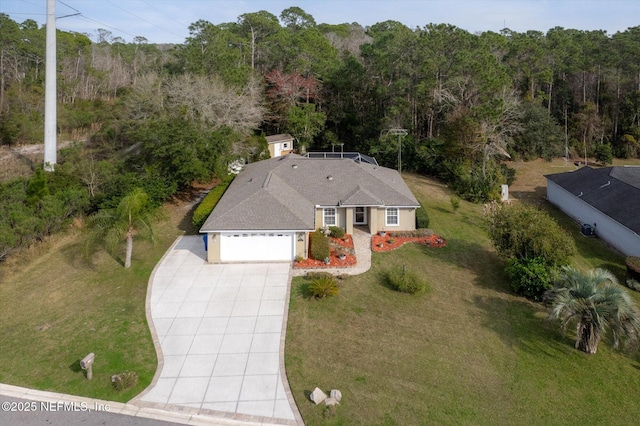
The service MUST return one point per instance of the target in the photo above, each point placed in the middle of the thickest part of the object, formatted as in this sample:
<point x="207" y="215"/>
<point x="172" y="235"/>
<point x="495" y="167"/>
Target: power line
<point x="142" y="19"/>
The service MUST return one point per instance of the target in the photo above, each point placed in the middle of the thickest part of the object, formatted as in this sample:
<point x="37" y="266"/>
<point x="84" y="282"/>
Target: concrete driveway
<point x="219" y="332"/>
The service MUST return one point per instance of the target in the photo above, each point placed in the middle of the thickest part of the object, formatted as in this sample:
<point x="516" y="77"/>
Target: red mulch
<point x="334" y="262"/>
<point x="431" y="241"/>
<point x="309" y="263"/>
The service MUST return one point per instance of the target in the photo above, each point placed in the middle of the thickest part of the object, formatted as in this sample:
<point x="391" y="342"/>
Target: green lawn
<point x="55" y="309"/>
<point x="468" y="352"/>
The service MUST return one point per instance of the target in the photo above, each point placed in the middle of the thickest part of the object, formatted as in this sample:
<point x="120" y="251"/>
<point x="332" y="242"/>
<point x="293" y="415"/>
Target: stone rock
<point x="317" y="396"/>
<point x="335" y="394"/>
<point x="330" y="402"/>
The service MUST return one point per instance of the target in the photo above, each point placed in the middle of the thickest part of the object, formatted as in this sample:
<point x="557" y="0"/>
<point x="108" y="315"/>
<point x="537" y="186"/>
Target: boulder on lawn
<point x="335" y="394"/>
<point x="330" y="402"/>
<point x="317" y="396"/>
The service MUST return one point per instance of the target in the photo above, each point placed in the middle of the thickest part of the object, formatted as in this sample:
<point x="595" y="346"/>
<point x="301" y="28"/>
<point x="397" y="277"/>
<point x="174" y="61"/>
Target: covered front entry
<point x="360" y="216"/>
<point x="256" y="246"/>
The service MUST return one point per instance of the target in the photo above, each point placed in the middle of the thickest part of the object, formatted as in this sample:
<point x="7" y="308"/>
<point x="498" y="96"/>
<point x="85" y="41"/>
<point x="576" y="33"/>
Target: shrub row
<point x="209" y="202"/>
<point x="422" y="218"/>
<point x="320" y="246"/>
<point x="418" y="233"/>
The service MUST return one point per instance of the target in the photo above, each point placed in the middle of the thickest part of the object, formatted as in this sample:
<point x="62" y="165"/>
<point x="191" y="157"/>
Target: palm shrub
<point x="597" y="304"/>
<point x="405" y="281"/>
<point x="323" y="286"/>
<point x="320" y="246"/>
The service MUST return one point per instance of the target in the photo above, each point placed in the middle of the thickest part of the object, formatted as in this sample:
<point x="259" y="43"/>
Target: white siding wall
<point x="607" y="229"/>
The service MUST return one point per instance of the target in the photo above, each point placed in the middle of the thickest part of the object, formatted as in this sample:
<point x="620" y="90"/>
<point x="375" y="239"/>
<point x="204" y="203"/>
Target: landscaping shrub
<point x="209" y="202"/>
<point x="320" y="246"/>
<point x="422" y="218"/>
<point x="322" y="287"/>
<point x="406" y="281"/>
<point x="520" y="231"/>
<point x="455" y="203"/>
<point x="336" y="232"/>
<point x="530" y="277"/>
<point x="124" y="381"/>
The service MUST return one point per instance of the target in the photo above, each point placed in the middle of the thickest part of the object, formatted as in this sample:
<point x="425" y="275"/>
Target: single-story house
<point x="608" y="199"/>
<point x="271" y="207"/>
<point x="281" y="144"/>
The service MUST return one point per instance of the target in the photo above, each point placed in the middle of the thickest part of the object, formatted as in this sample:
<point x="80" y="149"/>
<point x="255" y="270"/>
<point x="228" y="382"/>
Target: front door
<point x="360" y="216"/>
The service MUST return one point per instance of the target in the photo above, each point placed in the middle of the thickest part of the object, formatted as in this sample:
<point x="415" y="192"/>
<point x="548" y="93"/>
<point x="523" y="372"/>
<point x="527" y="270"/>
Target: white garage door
<point x="256" y="246"/>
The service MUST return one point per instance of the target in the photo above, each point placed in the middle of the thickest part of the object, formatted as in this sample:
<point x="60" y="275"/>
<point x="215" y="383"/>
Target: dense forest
<point x="160" y="117"/>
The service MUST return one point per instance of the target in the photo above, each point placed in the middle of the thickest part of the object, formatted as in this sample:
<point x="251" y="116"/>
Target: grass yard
<point x="468" y="352"/>
<point x="55" y="309"/>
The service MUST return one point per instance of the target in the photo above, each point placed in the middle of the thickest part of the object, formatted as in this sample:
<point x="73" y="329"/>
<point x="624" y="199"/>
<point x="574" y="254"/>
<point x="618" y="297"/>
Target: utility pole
<point x="50" y="114"/>
<point x="400" y="133"/>
<point x="50" y="89"/>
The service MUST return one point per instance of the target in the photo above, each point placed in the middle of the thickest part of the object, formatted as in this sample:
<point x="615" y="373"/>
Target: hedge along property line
<point x="209" y="202"/>
<point x="422" y="218"/>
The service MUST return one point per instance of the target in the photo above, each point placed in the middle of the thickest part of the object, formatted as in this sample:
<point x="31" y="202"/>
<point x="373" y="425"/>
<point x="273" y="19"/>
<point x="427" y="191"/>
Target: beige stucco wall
<point x="377" y="220"/>
<point x="376" y="217"/>
<point x="213" y="249"/>
<point x="341" y="217"/>
<point x="318" y="218"/>
<point x="348" y="223"/>
<point x="301" y="247"/>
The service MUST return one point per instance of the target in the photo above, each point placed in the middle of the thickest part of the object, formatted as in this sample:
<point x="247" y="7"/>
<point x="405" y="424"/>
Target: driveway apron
<point x="219" y="331"/>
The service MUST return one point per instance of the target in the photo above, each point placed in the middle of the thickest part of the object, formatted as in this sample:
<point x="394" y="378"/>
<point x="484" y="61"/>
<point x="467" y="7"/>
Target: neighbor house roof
<point x="282" y="193"/>
<point x="615" y="191"/>
<point x="283" y="137"/>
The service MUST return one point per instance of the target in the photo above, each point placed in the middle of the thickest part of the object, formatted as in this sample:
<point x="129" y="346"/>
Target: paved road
<point x="24" y="412"/>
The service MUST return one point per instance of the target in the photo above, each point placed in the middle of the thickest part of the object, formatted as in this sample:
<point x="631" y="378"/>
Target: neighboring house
<point x="271" y="207"/>
<point x="606" y="198"/>
<point x="280" y="145"/>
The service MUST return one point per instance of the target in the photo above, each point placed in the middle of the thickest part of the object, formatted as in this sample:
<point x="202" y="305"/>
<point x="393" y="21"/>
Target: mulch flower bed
<point x="344" y="245"/>
<point x="430" y="241"/>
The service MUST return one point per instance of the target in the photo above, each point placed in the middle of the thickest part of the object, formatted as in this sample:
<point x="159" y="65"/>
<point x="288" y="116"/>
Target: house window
<point x="392" y="216"/>
<point x="285" y="145"/>
<point x="329" y="216"/>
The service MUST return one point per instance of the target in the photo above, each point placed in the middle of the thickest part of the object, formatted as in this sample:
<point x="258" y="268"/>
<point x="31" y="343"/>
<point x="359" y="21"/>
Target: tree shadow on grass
<point x="74" y="255"/>
<point x="523" y="325"/>
<point x="486" y="265"/>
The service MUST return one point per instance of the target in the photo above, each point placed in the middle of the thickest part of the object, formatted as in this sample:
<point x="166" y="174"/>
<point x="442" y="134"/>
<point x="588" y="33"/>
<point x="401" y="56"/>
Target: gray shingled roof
<point x="283" y="192"/>
<point x="282" y="137"/>
<point x="615" y="191"/>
